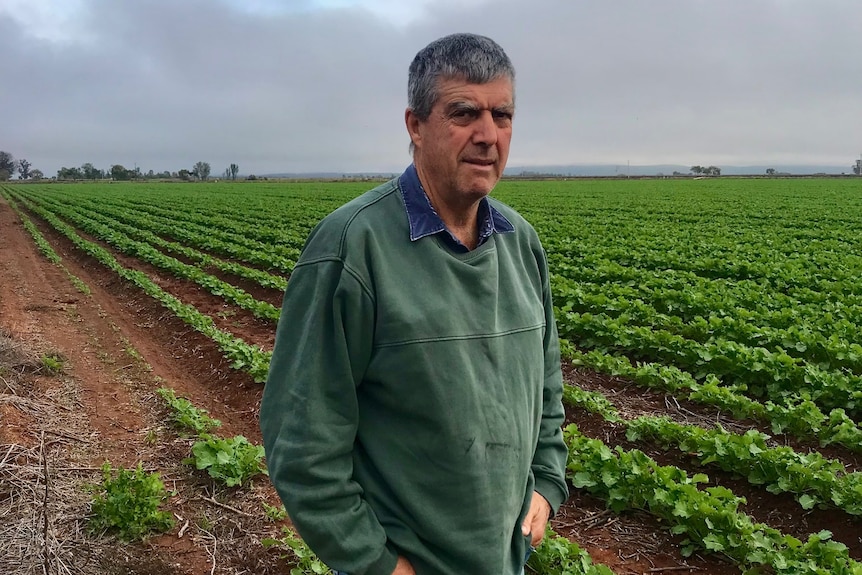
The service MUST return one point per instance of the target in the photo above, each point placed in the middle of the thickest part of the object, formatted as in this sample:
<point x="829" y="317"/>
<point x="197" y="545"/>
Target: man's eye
<point x="503" y="119"/>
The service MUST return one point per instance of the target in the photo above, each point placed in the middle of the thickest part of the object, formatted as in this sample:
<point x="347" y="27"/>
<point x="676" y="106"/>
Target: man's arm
<point x="549" y="461"/>
<point x="309" y="416"/>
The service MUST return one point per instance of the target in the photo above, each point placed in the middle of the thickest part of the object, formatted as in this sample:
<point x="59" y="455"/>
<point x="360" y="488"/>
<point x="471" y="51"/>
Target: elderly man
<point x="412" y="413"/>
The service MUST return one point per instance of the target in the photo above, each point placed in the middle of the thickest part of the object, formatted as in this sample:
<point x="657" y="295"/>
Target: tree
<point x="91" y="172"/>
<point x="120" y="173"/>
<point x="184" y="175"/>
<point x="234" y="170"/>
<point x="712" y="171"/>
<point x="7" y="166"/>
<point x="201" y="170"/>
<point x="36" y="174"/>
<point x="857" y="169"/>
<point x="65" y="173"/>
<point x="24" y="169"/>
<point x="770" y="171"/>
<point x="696" y="170"/>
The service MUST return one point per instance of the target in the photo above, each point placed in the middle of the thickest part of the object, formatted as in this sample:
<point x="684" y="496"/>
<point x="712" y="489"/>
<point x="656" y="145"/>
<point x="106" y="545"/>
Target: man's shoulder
<point x="367" y="206"/>
<point x="373" y="210"/>
<point x="523" y="229"/>
<point x="511" y="214"/>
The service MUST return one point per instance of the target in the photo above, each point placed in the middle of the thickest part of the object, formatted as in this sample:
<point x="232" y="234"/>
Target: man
<point x="412" y="413"/>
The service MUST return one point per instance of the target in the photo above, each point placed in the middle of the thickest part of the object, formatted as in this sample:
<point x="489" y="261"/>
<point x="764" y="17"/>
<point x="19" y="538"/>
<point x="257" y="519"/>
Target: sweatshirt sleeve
<point x="309" y="415"/>
<point x="549" y="461"/>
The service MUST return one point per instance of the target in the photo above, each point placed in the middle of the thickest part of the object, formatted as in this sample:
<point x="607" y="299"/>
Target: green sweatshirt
<point x="414" y="397"/>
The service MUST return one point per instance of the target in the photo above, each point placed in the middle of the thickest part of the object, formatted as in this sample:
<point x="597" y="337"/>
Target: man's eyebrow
<point x="463" y="105"/>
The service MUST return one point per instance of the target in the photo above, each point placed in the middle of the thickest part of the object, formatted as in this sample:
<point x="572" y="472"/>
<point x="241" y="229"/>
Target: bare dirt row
<point x="115" y="347"/>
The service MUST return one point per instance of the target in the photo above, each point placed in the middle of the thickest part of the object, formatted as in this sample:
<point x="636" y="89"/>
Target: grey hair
<point x="475" y="58"/>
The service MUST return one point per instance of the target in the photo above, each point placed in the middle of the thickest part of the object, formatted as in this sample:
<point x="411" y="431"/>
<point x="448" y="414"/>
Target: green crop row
<point x="817" y="345"/>
<point x="196" y="236"/>
<point x="43" y="246"/>
<point x="799" y="417"/>
<point x="245" y="235"/>
<point x="151" y="255"/>
<point x="689" y="296"/>
<point x="707" y="519"/>
<point x="243" y="356"/>
<point x="200" y="259"/>
<point x="812" y="478"/>
<point x="41" y="243"/>
<point x="763" y="373"/>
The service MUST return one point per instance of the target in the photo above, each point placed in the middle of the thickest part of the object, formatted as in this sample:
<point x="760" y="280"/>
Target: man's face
<point x="462" y="148"/>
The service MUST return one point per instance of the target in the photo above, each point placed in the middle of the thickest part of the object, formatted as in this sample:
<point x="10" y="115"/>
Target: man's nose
<point x="484" y="129"/>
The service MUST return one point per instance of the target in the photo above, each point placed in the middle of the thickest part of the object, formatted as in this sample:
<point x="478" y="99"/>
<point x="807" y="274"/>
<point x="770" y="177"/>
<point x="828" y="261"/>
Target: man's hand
<point x="403" y="567"/>
<point x="536" y="519"/>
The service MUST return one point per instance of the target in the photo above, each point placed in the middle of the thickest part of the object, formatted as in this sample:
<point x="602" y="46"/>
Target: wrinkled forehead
<point x="500" y="90"/>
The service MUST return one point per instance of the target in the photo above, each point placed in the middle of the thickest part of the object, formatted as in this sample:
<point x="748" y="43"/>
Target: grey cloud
<point x="164" y="84"/>
<point x="690" y="81"/>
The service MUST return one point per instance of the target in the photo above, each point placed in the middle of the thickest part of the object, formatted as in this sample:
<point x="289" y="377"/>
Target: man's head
<point x="476" y="59"/>
<point x="460" y="106"/>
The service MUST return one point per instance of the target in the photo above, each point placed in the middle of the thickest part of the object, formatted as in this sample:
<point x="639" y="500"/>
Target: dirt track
<point x="117" y="346"/>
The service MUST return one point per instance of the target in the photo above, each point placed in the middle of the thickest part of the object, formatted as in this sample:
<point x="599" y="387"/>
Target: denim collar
<point x="424" y="220"/>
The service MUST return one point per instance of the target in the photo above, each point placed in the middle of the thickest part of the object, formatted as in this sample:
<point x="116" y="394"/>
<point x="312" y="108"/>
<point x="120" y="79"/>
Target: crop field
<point x="712" y="349"/>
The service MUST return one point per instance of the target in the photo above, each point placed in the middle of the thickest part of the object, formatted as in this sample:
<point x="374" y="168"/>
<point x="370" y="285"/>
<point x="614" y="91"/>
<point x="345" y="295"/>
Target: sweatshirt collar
<point x="424" y="220"/>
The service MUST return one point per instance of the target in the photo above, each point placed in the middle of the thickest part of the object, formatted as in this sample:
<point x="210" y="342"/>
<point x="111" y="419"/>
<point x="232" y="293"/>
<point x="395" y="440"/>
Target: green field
<point x="742" y="295"/>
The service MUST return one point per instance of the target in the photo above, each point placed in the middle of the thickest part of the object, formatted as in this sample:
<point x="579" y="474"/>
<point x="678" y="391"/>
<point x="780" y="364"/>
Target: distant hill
<point x="330" y="175"/>
<point x="597" y="170"/>
<point x="669" y="169"/>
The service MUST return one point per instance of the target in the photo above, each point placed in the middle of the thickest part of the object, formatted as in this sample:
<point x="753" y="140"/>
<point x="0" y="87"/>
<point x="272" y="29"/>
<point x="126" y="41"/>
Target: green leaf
<point x="713" y="542"/>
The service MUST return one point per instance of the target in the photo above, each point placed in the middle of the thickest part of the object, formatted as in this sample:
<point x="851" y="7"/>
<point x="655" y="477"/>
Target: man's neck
<point x="462" y="221"/>
<point x="460" y="217"/>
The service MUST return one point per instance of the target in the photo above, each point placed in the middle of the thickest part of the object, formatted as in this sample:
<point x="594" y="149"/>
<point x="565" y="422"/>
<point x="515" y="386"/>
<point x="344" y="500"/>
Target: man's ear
<point x="411" y="120"/>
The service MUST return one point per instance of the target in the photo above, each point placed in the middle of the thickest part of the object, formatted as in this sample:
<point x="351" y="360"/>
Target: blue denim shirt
<point x="424" y="220"/>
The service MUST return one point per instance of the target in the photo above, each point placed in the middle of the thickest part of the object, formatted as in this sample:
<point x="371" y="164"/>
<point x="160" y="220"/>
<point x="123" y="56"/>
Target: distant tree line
<point x="708" y="171"/>
<point x="199" y="172"/>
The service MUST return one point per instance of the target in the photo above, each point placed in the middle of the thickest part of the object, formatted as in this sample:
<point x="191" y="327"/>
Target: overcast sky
<point x="311" y="85"/>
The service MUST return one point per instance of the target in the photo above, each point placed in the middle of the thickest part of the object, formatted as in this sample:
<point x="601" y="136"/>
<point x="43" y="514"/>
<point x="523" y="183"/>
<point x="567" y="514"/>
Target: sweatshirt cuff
<point x="385" y="564"/>
<point x="551" y="491"/>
